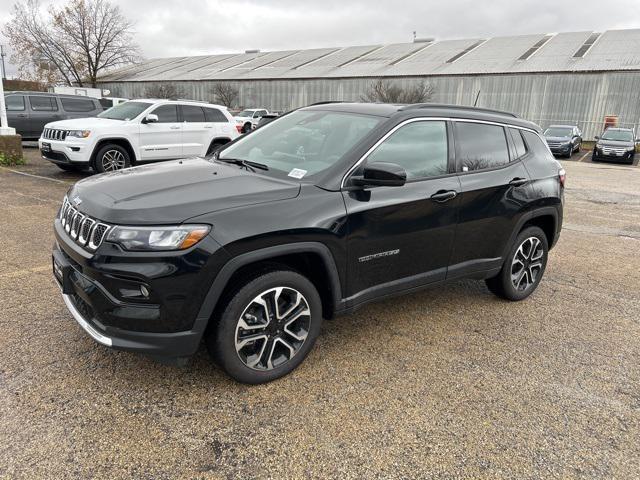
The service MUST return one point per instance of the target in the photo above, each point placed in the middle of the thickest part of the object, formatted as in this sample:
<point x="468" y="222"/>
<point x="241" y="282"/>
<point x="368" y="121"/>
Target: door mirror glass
<point x="151" y="118"/>
<point x="597" y="137"/>
<point x="381" y="174"/>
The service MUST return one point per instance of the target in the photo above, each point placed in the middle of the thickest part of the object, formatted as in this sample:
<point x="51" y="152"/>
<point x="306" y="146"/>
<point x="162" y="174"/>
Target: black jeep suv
<point x="310" y="216"/>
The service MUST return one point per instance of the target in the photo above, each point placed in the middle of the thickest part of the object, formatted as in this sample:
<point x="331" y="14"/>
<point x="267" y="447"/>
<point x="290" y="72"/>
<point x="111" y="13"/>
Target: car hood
<point x="84" y="123"/>
<point x="558" y="139"/>
<point x="172" y="192"/>
<point x="615" y="143"/>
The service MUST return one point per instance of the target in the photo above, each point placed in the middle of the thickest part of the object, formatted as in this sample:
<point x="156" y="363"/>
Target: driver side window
<point x="419" y="147"/>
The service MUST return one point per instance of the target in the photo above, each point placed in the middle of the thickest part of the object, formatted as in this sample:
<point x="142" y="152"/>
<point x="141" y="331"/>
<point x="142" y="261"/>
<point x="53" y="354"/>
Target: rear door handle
<point x="518" y="182"/>
<point x="444" y="196"/>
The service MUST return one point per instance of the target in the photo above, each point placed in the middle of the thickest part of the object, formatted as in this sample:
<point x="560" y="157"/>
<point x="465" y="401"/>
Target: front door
<point x="44" y="109"/>
<point x="494" y="195"/>
<point x="402" y="237"/>
<point x="18" y="115"/>
<point x="161" y="140"/>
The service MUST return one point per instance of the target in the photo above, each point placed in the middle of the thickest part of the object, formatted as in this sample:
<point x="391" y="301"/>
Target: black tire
<point x="594" y="156"/>
<point x="69" y="168"/>
<point x="117" y="153"/>
<point x="503" y="285"/>
<point x="246" y="127"/>
<point x="223" y="337"/>
<point x="632" y="158"/>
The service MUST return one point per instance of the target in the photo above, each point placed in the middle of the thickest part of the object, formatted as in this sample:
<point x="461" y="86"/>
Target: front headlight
<point x="78" y="133"/>
<point x="142" y="239"/>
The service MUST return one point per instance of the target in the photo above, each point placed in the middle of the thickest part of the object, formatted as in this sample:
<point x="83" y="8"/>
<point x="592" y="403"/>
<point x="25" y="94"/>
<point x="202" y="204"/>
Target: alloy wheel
<point x="112" y="160"/>
<point x="527" y="264"/>
<point x="272" y="328"/>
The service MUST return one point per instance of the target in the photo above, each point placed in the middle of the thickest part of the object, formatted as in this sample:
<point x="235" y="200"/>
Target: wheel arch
<point x="302" y="257"/>
<point x="120" y="141"/>
<point x="546" y="218"/>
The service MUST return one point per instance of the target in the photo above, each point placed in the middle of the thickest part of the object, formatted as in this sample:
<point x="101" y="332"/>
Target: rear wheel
<point x="267" y="327"/>
<point x="524" y="266"/>
<point x="111" y="158"/>
<point x="246" y="127"/>
<point x="214" y="147"/>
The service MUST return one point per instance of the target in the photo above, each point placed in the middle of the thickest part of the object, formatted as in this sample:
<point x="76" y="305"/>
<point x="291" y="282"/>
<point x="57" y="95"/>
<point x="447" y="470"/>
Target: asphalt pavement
<point x="445" y="383"/>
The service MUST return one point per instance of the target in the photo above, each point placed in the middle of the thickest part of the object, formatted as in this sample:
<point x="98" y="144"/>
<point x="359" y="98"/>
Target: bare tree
<point x="163" y="90"/>
<point x="225" y="94"/>
<point x="385" y="91"/>
<point x="73" y="44"/>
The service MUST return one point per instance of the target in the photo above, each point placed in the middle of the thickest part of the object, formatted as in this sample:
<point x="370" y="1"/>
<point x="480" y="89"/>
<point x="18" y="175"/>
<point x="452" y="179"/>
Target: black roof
<point x="49" y="94"/>
<point x="427" y="109"/>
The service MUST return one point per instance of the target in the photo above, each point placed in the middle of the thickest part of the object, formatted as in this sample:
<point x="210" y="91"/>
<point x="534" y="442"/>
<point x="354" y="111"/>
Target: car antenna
<point x="475" y="104"/>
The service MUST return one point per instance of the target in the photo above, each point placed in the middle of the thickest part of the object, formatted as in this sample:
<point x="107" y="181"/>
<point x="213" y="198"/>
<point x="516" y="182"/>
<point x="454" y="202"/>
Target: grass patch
<point x="9" y="160"/>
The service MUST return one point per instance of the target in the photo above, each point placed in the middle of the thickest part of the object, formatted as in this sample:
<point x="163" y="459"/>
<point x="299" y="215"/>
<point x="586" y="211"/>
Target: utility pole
<point x="2" y="55"/>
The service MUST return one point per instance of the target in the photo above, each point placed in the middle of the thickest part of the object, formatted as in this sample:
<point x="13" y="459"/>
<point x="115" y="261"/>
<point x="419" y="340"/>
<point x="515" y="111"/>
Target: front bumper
<point x="561" y="150"/>
<point x="95" y="288"/>
<point x="613" y="157"/>
<point x="67" y="153"/>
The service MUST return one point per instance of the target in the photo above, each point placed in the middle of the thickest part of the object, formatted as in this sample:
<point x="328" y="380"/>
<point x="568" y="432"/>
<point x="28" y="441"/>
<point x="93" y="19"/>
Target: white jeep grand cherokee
<point x="137" y="131"/>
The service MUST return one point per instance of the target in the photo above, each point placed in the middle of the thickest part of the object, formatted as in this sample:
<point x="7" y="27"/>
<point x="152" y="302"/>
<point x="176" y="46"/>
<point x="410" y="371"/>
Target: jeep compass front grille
<point x="84" y="230"/>
<point x="54" y="134"/>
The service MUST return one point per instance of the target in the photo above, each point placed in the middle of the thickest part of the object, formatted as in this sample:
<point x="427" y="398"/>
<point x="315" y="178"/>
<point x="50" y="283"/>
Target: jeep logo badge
<point x="76" y="201"/>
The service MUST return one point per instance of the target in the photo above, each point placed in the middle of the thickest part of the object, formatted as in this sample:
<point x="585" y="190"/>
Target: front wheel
<point x="524" y="266"/>
<point x="111" y="158"/>
<point x="267" y="327"/>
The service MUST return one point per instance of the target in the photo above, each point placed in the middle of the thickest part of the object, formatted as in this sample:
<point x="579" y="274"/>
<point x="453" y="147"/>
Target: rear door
<point x="402" y="237"/>
<point x="195" y="131"/>
<point x="78" y="107"/>
<point x="43" y="109"/>
<point x="217" y="122"/>
<point x="494" y="194"/>
<point x="162" y="140"/>
<point x="18" y="114"/>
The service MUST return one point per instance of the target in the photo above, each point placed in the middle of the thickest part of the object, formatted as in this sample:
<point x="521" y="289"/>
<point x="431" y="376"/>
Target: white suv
<point x="248" y="119"/>
<point x="137" y="131"/>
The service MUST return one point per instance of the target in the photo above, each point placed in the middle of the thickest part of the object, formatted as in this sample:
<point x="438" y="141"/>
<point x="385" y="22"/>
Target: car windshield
<point x="246" y="113"/>
<point x="558" y="132"/>
<point x="302" y="143"/>
<point x="125" y="111"/>
<point x="618" y="135"/>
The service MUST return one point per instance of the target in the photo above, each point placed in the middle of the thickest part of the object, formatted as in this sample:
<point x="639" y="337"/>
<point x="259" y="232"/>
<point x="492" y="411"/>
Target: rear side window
<point x="419" y="147"/>
<point x="14" y="103"/>
<point x="77" y="104"/>
<point x="192" y="113"/>
<point x="537" y="146"/>
<point x="43" y="104"/>
<point x="214" y="115"/>
<point x="167" y="113"/>
<point x="480" y="146"/>
<point x="518" y="142"/>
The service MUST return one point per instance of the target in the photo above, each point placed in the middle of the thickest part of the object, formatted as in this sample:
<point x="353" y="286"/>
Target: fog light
<point x="144" y="291"/>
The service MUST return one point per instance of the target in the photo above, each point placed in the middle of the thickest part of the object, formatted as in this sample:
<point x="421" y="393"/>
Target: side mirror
<point x="381" y="174"/>
<point x="597" y="138"/>
<point x="151" y="118"/>
<point x="637" y="140"/>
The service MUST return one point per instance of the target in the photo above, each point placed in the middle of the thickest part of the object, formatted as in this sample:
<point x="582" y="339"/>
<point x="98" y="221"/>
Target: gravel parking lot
<point x="447" y="383"/>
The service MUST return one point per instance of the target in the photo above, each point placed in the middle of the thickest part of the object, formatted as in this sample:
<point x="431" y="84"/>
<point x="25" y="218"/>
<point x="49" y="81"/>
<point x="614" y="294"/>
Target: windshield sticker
<point x="297" y="173"/>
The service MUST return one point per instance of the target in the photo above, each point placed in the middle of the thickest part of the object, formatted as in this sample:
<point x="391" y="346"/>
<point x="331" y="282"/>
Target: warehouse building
<point x="578" y="77"/>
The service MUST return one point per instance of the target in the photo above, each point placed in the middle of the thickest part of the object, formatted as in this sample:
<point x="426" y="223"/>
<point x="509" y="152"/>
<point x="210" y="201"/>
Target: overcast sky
<point x="194" y="27"/>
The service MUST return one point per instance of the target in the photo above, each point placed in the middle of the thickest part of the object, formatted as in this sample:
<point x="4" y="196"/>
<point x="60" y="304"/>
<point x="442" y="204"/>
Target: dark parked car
<point x="616" y="144"/>
<point x="268" y="118"/>
<point x="29" y="112"/>
<point x="563" y="139"/>
<point x="314" y="215"/>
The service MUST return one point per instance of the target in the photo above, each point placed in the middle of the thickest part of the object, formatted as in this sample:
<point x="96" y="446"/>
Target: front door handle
<point x="518" y="182"/>
<point x="442" y="196"/>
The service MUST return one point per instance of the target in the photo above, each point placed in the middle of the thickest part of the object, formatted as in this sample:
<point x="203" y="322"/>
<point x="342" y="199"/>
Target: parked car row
<point x="615" y="144"/>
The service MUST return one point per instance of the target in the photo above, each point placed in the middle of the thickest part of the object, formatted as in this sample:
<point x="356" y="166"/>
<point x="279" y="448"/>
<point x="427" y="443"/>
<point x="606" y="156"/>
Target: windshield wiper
<point x="248" y="164"/>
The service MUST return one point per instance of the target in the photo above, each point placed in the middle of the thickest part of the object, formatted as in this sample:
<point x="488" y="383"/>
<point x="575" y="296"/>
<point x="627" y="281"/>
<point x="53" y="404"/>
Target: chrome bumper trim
<point x="98" y="337"/>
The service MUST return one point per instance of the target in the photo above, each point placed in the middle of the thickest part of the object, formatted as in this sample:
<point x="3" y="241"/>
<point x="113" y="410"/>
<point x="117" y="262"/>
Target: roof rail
<point x="416" y="106"/>
<point x="326" y="102"/>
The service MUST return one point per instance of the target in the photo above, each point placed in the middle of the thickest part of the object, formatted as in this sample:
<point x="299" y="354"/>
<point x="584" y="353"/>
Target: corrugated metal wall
<point x="542" y="98"/>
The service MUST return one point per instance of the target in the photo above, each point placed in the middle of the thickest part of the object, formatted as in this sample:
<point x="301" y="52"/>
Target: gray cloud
<point x="168" y="28"/>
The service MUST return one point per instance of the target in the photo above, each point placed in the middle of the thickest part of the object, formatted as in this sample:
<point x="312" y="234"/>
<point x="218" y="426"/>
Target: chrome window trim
<point x="422" y="119"/>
